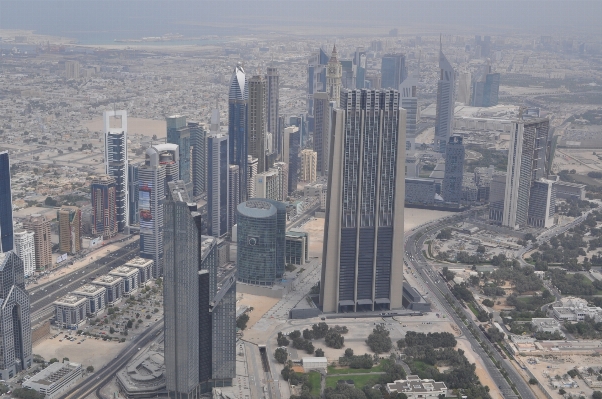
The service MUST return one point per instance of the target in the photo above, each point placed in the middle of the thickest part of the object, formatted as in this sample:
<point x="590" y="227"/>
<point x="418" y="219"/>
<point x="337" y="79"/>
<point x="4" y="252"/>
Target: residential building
<point x="409" y="101"/>
<point x="267" y="185"/>
<point x="42" y="244"/>
<point x="364" y="214"/>
<point x="282" y="169"/>
<point x="445" y="103"/>
<point x="334" y="74"/>
<point x="290" y="155"/>
<point x="103" y="192"/>
<point x="198" y="139"/>
<point x="133" y="188"/>
<point x="130" y="276"/>
<point x="72" y="69"/>
<point x="114" y="288"/>
<point x="309" y="161"/>
<point x="256" y="118"/>
<point x="273" y="106"/>
<point x="178" y="133"/>
<point x="70" y="229"/>
<point x="454" y="170"/>
<point x="297" y="248"/>
<point x="6" y="204"/>
<point x="233" y="194"/>
<point x="55" y="379"/>
<point x="218" y="184"/>
<point x="144" y="266"/>
<point x="25" y="249"/>
<point x="260" y="241"/>
<point x="393" y="71"/>
<point x="238" y="99"/>
<point x="70" y="312"/>
<point x="94" y="296"/>
<point x="252" y="172"/>
<point x="15" y="322"/>
<point x="116" y="161"/>
<point x="322" y="111"/>
<point x="415" y="388"/>
<point x="316" y="81"/>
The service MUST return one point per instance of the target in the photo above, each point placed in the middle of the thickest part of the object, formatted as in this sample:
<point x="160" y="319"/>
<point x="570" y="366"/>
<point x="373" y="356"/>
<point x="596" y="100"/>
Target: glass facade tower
<point x="6" y="205"/>
<point x="238" y="100"/>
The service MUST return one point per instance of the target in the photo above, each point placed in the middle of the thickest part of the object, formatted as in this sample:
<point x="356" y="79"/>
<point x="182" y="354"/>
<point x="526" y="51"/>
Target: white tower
<point x="116" y="161"/>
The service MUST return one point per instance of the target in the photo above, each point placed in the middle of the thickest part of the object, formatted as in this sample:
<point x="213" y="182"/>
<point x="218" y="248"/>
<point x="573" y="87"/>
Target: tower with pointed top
<point x="445" y="102"/>
<point x="238" y="104"/>
<point x="334" y="74"/>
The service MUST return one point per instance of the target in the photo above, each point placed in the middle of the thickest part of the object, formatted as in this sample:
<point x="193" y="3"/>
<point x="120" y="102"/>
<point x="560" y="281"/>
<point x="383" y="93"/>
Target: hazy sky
<point x="140" y="18"/>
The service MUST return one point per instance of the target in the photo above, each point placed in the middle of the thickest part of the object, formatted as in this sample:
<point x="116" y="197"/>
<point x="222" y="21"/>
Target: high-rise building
<point x="445" y="103"/>
<point x="151" y="196"/>
<point x="486" y="89"/>
<point x="497" y="192"/>
<point x="70" y="229"/>
<point x="25" y="249"/>
<point x="169" y="158"/>
<point x="290" y="155"/>
<point x="542" y="204"/>
<point x="252" y="167"/>
<point x="42" y="244"/>
<point x="321" y="131"/>
<point x="464" y="82"/>
<point x="334" y="74"/>
<point x="272" y="107"/>
<point x="454" y="170"/>
<point x="363" y="268"/>
<point x="217" y="184"/>
<point x="72" y="69"/>
<point x="15" y="322"/>
<point x="116" y="160"/>
<point x="223" y="346"/>
<point x="349" y="71"/>
<point x="133" y="187"/>
<point x="6" y="205"/>
<point x="256" y="118"/>
<point x="267" y="185"/>
<point x="198" y="138"/>
<point x="179" y="133"/>
<point x="409" y="101"/>
<point x="104" y="210"/>
<point x="238" y="99"/>
<point x="309" y="160"/>
<point x="359" y="61"/>
<point x="393" y="71"/>
<point x="527" y="163"/>
<point x="233" y="194"/>
<point x="260" y="241"/>
<point x="316" y="81"/>
<point x="282" y="169"/>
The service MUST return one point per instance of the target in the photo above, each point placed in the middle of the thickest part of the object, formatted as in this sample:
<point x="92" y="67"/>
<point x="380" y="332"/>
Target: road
<point x="437" y="286"/>
<point x="96" y="380"/>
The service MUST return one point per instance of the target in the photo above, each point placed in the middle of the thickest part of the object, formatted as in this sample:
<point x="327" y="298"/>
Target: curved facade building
<point x="261" y="241"/>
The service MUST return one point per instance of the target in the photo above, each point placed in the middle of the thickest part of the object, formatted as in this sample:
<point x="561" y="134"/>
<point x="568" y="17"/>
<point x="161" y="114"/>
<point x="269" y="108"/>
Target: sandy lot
<point x="91" y="352"/>
<point x="146" y="127"/>
<point x="415" y="217"/>
<point x="260" y="304"/>
<point x="315" y="228"/>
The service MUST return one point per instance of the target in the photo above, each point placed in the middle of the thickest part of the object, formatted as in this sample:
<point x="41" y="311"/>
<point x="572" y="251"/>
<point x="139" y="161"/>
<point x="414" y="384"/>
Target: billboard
<point x="61" y="258"/>
<point x="144" y="202"/>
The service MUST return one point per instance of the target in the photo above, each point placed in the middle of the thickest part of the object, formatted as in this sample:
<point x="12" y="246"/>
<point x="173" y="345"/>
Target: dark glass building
<point x="454" y="170"/>
<point x="393" y="71"/>
<point x="238" y="103"/>
<point x="218" y="184"/>
<point x="133" y="189"/>
<point x="198" y="138"/>
<point x="179" y="133"/>
<point x="6" y="205"/>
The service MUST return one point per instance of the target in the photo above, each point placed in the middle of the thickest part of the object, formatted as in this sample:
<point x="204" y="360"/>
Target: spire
<point x="333" y="57"/>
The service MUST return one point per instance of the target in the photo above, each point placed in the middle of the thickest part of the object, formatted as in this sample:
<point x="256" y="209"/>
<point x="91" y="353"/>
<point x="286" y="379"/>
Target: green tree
<point x="242" y="321"/>
<point x="53" y="360"/>
<point x="488" y="302"/>
<point x="281" y="355"/>
<point x="533" y="381"/>
<point x="90" y="369"/>
<point x="379" y="341"/>
<point x="319" y="352"/>
<point x="348" y="352"/>
<point x="597" y="395"/>
<point x="334" y="340"/>
<point x="282" y="340"/>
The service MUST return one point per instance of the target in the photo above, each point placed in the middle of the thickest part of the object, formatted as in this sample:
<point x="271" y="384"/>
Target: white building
<point x="413" y="387"/>
<point x="546" y="324"/>
<point x="114" y="286"/>
<point x="144" y="266"/>
<point x="313" y="363"/>
<point x="25" y="249"/>
<point x="267" y="185"/>
<point x="95" y="298"/>
<point x="55" y="379"/>
<point x="130" y="276"/>
<point x="70" y="312"/>
<point x="578" y="312"/>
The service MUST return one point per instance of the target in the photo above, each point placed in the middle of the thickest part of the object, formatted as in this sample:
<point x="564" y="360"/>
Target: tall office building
<point x="409" y="101"/>
<point x="233" y="194"/>
<point x="169" y="158"/>
<point x="15" y="322"/>
<point x="6" y="205"/>
<point x="290" y="155"/>
<point x="445" y="103"/>
<point x="198" y="138"/>
<point x="223" y="345"/>
<point x="273" y="105"/>
<point x="25" y="249"/>
<point x="179" y="133"/>
<point x="348" y="78"/>
<point x="282" y="169"/>
<point x="70" y="229"/>
<point x="256" y="119"/>
<point x="133" y="187"/>
<point x="454" y="170"/>
<point x="267" y="185"/>
<point x="363" y="268"/>
<point x="218" y="184"/>
<point x="261" y="241"/>
<point x="151" y="197"/>
<point x="321" y="131"/>
<point x="42" y="244"/>
<point x="116" y="160"/>
<point x="542" y="204"/>
<point x="527" y="163"/>
<point x="334" y="75"/>
<point x="393" y="71"/>
<point x="238" y="127"/>
<point x="316" y="81"/>
<point x="464" y="82"/>
<point x="486" y="89"/>
<point x="359" y="61"/>
<point x="104" y="210"/>
<point x="309" y="160"/>
<point x="252" y="172"/>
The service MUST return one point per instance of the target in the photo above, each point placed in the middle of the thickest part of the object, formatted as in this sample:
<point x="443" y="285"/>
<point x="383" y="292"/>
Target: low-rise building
<point x="70" y="312"/>
<point x="130" y="276"/>
<point x="314" y="363"/>
<point x="546" y="324"/>
<point x="296" y="247"/>
<point x="567" y="190"/>
<point x="95" y="298"/>
<point x="55" y="379"/>
<point x="114" y="286"/>
<point x="577" y="313"/>
<point x="413" y="387"/>
<point x="144" y="266"/>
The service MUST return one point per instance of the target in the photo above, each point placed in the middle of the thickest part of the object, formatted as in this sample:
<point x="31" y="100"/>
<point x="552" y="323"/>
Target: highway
<point x="438" y="287"/>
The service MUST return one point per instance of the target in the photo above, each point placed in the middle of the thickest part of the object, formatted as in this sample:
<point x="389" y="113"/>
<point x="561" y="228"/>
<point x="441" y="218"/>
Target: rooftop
<point x="70" y="300"/>
<point x="53" y="373"/>
<point x="124" y="270"/>
<point x="107" y="279"/>
<point x="88" y="289"/>
<point x="137" y="261"/>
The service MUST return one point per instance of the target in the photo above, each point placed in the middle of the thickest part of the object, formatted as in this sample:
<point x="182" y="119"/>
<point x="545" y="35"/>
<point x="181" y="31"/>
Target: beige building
<point x="257" y="120"/>
<point x="309" y="163"/>
<point x="70" y="229"/>
<point x="42" y="244"/>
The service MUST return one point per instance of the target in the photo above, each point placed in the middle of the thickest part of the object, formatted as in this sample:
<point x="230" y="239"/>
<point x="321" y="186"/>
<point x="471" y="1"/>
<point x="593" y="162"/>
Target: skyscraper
<point x="486" y="88"/>
<point x="464" y="81"/>
<point x="409" y="101"/>
<point x="179" y="133"/>
<point x="364" y="212"/>
<point x="223" y="345"/>
<point x="321" y="131"/>
<point x="133" y="187"/>
<point x="290" y="155"/>
<point x="316" y="81"/>
<point x="6" y="205"/>
<point x="15" y="322"/>
<point x="359" y="60"/>
<point x="454" y="170"/>
<point x="267" y="185"/>
<point x="334" y="75"/>
<point x="198" y="138"/>
<point x="282" y="169"/>
<point x="233" y="194"/>
<point x="42" y="244"/>
<point x="527" y="163"/>
<point x="151" y="196"/>
<point x="25" y="249"/>
<point x="237" y="125"/>
<point x="104" y="211"/>
<point x="70" y="229"/>
<point x="273" y="104"/>
<point x="169" y="158"/>
<point x="256" y="119"/>
<point x="116" y="160"/>
<point x="309" y="162"/>
<point x="218" y="184"/>
<point x="252" y="172"/>
<point x="393" y="71"/>
<point x="445" y="103"/>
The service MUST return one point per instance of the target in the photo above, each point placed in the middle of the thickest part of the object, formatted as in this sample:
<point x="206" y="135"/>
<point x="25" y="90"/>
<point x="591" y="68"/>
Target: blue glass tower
<point x="238" y="102"/>
<point x="179" y="133"/>
<point x="6" y="205"/>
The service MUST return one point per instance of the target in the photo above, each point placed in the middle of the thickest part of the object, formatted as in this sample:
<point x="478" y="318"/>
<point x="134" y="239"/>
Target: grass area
<point x="418" y="366"/>
<point x="359" y="380"/>
<point x="347" y="370"/>
<point x="315" y="380"/>
<point x="472" y="308"/>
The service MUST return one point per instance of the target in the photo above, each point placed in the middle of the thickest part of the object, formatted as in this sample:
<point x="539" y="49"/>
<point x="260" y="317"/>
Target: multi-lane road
<point x="437" y="286"/>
